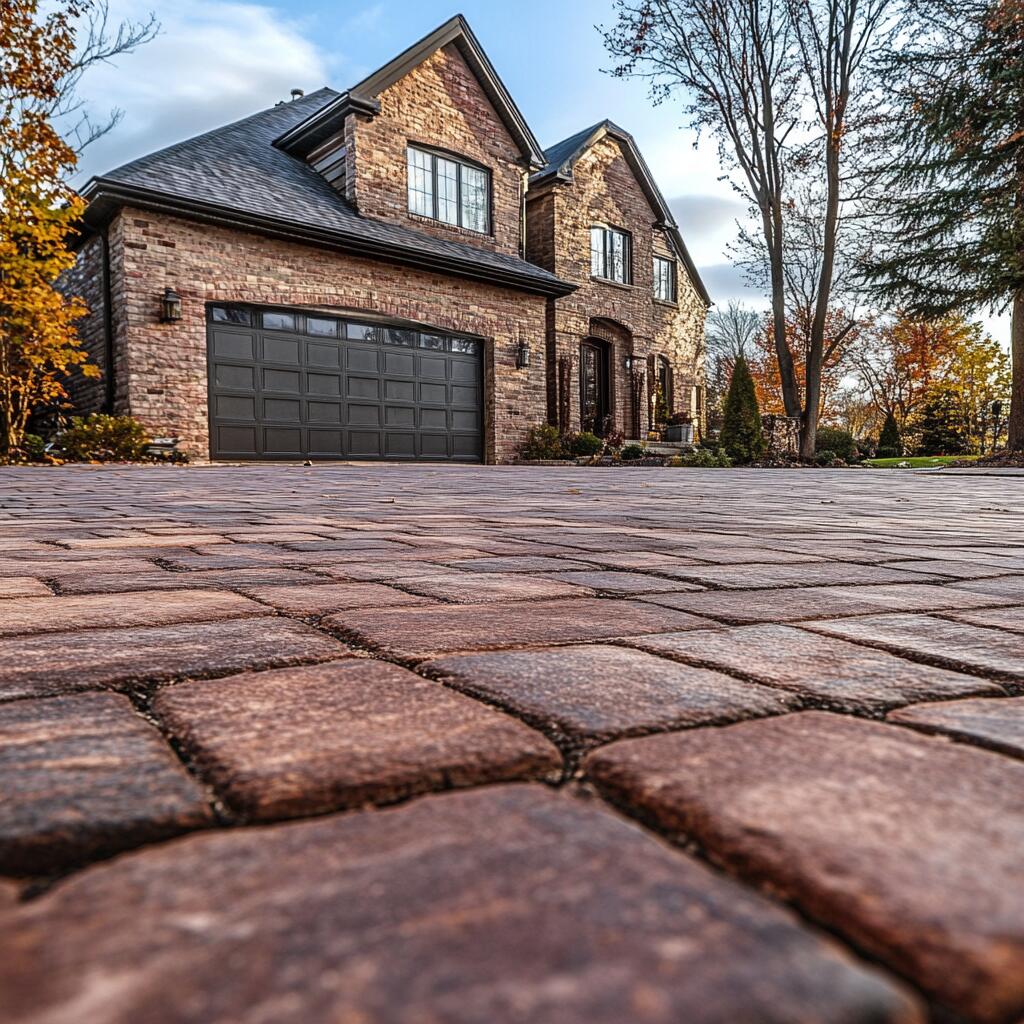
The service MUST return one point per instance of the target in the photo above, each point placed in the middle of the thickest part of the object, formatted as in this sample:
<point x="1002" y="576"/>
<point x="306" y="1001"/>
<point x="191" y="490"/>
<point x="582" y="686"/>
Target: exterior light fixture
<point x="170" y="307"/>
<point x="523" y="354"/>
<point x="629" y="363"/>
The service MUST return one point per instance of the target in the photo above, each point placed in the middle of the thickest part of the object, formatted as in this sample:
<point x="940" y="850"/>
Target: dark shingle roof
<point x="236" y="171"/>
<point x="565" y="151"/>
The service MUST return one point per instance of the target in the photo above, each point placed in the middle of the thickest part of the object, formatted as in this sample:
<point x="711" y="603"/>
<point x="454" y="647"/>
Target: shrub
<point x="705" y="458"/>
<point x="632" y="452"/>
<point x="101" y="438"/>
<point x="742" y="438"/>
<point x="826" y="457"/>
<point x="890" y="444"/>
<point x="614" y="440"/>
<point x="543" y="442"/>
<point x="584" y="444"/>
<point x="33" y="446"/>
<point x="841" y="442"/>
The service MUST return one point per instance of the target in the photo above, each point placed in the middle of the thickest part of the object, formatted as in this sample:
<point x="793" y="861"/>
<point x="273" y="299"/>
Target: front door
<point x="593" y="388"/>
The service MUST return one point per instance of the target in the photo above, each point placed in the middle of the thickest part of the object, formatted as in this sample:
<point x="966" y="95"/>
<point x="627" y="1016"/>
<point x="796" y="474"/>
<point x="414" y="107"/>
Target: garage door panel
<point x="399" y="446"/>
<point x="232" y="345"/>
<point x="362" y="387"/>
<point x="234" y="378"/>
<point x="400" y="390"/>
<point x="324" y="412"/>
<point x="365" y="443"/>
<point x="323" y="384"/>
<point x="328" y="356"/>
<point x="288" y="410"/>
<point x="281" y="380"/>
<point x="399" y="364"/>
<point x="399" y="416"/>
<point x="235" y="407"/>
<point x="281" y="350"/>
<point x="284" y="385"/>
<point x="465" y="373"/>
<point x="326" y="442"/>
<point x="362" y="360"/>
<point x="434" y="419"/>
<point x="282" y="441"/>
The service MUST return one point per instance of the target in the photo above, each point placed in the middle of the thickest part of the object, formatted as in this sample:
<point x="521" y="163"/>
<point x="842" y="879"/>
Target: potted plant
<point x="680" y="428"/>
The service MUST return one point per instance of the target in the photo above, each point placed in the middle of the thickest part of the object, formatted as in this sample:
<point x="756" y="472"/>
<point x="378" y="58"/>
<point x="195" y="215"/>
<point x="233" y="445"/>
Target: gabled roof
<point x="235" y="176"/>
<point x="560" y="159"/>
<point x="302" y="138"/>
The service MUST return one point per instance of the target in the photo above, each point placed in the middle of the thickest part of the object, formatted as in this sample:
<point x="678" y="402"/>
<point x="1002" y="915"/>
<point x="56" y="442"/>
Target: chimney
<point x="297" y="94"/>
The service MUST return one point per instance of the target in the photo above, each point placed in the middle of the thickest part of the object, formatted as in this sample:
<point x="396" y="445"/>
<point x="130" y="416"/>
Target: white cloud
<point x="212" y="63"/>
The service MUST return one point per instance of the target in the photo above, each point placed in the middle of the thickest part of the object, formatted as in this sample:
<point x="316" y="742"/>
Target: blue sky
<point x="218" y="60"/>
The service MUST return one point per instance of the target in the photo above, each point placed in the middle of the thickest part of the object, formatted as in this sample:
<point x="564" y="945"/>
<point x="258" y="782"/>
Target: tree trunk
<point x="773" y="228"/>
<point x="1016" y="425"/>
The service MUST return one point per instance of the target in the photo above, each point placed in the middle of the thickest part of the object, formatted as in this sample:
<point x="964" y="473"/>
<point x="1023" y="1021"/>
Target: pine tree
<point x="889" y="443"/>
<point x="741" y="430"/>
<point x="940" y="426"/>
<point x="951" y="179"/>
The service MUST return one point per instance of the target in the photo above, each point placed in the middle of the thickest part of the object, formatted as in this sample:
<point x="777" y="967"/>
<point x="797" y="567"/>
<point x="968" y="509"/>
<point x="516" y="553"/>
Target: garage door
<point x="288" y="385"/>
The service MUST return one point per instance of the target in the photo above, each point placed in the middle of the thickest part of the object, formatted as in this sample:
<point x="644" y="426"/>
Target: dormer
<point x="432" y="140"/>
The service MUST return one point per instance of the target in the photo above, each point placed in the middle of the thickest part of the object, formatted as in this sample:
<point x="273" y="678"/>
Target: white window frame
<point x="603" y="241"/>
<point x="665" y="279"/>
<point x="447" y="188"/>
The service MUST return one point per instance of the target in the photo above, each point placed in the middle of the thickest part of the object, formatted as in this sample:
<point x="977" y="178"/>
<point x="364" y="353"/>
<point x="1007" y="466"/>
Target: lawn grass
<point x="918" y="461"/>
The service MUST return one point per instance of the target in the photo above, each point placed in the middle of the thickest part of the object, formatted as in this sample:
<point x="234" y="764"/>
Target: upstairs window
<point x="448" y="190"/>
<point x="610" y="255"/>
<point x="664" y="279"/>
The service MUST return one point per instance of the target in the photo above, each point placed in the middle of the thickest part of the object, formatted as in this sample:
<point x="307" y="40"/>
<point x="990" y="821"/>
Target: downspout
<point x="109" y="381"/>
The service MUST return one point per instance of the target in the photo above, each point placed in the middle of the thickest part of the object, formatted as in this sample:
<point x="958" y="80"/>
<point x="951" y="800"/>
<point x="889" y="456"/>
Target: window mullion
<point x="434" y="189"/>
<point x="458" y="194"/>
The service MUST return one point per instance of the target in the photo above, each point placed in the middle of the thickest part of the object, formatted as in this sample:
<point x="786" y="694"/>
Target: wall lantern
<point x="629" y="364"/>
<point x="523" y="354"/>
<point x="170" y="307"/>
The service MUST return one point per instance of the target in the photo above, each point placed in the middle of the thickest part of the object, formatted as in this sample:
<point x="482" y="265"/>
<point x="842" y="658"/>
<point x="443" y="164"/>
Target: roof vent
<point x="297" y="94"/>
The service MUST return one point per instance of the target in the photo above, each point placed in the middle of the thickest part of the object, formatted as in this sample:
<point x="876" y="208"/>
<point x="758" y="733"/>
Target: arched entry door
<point x="595" y="405"/>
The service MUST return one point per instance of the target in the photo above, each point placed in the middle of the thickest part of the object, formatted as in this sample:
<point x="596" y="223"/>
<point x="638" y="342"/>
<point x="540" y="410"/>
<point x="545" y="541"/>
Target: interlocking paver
<point x="978" y="648"/>
<point x="94" y="611"/>
<point x="795" y="603"/>
<point x="23" y="586"/>
<point x="53" y="568"/>
<point x="84" y="776"/>
<point x="162" y="579"/>
<point x="421" y="632"/>
<point x="1011" y="619"/>
<point x="308" y="740"/>
<point x="1011" y="587"/>
<point x="998" y="724"/>
<point x="622" y="583"/>
<point x="908" y="845"/>
<point x="328" y="597"/>
<point x="506" y="904"/>
<point x="842" y="675"/>
<point x="753" y="577"/>
<point x="481" y="587"/>
<point x="590" y="694"/>
<point x="57" y="663"/>
<point x="526" y="563"/>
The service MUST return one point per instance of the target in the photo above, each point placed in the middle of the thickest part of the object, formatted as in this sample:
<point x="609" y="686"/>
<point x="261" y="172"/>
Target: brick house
<point x="398" y="271"/>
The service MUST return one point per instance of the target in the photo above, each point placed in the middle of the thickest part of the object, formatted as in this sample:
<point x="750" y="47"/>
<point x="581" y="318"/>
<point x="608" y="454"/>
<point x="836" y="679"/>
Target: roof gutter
<point x="105" y="197"/>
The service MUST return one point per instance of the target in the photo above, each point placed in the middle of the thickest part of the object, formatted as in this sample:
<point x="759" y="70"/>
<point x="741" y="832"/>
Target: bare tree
<point x="737" y="61"/>
<point x="731" y="332"/>
<point x="98" y="42"/>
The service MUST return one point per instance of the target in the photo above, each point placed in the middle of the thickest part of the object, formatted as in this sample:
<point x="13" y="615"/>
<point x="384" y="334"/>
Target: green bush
<point x="841" y="442"/>
<point x="101" y="438"/>
<point x="742" y="438"/>
<point x="584" y="444"/>
<point x="890" y="444"/>
<point x="542" y="443"/>
<point x="826" y="457"/>
<point x="632" y="452"/>
<point x="33" y="446"/>
<point x="705" y="458"/>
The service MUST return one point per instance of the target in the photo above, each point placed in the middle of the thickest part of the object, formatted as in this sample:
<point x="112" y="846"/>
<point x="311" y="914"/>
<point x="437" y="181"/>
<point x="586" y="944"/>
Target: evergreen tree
<point x="889" y="443"/>
<point x="940" y="426"/>
<point x="742" y="438"/>
<point x="951" y="180"/>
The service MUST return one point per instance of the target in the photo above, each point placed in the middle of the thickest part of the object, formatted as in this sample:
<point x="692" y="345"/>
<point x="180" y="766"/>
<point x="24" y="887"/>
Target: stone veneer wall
<point x="162" y="369"/>
<point x="559" y="217"/>
<point x="439" y="105"/>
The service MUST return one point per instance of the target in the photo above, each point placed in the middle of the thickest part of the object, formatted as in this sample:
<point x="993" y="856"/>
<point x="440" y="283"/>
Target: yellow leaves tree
<point x="39" y="213"/>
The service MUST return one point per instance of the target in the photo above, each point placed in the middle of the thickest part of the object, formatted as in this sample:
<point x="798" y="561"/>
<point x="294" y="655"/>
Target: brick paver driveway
<point x="435" y="745"/>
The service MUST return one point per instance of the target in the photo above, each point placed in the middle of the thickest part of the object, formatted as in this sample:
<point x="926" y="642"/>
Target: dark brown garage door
<point x="288" y="385"/>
